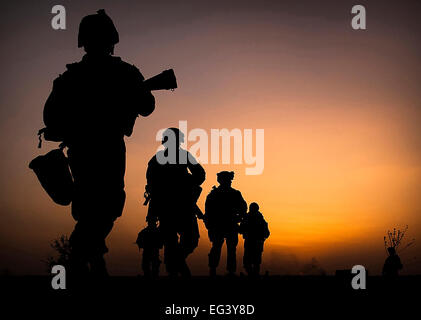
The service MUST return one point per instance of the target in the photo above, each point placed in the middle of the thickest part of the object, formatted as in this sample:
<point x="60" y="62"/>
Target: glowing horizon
<point x="340" y="110"/>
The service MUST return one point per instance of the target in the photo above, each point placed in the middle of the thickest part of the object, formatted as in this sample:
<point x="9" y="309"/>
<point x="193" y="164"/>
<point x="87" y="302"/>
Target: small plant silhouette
<point x="394" y="240"/>
<point x="63" y="249"/>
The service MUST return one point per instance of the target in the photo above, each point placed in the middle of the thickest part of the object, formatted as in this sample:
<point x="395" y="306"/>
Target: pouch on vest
<point x="53" y="172"/>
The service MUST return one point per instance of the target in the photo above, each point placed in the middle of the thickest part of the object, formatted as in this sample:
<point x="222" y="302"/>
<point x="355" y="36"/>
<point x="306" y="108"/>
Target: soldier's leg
<point x="170" y="256"/>
<point x="155" y="262"/>
<point x="170" y="239"/>
<point x="98" y="266"/>
<point x="189" y="240"/>
<point x="246" y="257"/>
<point x="110" y="208"/>
<point x="232" y="241"/>
<point x="78" y="260"/>
<point x="146" y="262"/>
<point x="256" y="270"/>
<point x="99" y="230"/>
<point x="95" y="222"/>
<point x="183" y="268"/>
<point x="97" y="201"/>
<point x="215" y="252"/>
<point x="88" y="245"/>
<point x="79" y="257"/>
<point x="189" y="237"/>
<point x="258" y="257"/>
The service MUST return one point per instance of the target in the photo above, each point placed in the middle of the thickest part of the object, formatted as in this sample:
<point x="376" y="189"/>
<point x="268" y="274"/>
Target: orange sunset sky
<point x="340" y="111"/>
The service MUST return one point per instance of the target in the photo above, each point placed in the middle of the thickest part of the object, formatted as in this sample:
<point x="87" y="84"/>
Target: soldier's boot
<point x="155" y="269"/>
<point x="155" y="273"/>
<point x="146" y="266"/>
<point x="249" y="270"/>
<point x="212" y="272"/>
<point x="185" y="270"/>
<point x="256" y="270"/>
<point x="78" y="276"/>
<point x="215" y="253"/>
<point x="231" y="274"/>
<point x="172" y="272"/>
<point x="146" y="272"/>
<point x="231" y="271"/>
<point x="78" y="271"/>
<point x="98" y="267"/>
<point x="231" y="261"/>
<point x="231" y="268"/>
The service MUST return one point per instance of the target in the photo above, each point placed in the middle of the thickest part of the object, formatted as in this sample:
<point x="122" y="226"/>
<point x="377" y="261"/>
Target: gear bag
<point x="53" y="172"/>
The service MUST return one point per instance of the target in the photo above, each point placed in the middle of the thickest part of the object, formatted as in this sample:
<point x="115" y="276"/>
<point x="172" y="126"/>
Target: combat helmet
<point x="225" y="175"/>
<point x="254" y="207"/>
<point x="97" y="29"/>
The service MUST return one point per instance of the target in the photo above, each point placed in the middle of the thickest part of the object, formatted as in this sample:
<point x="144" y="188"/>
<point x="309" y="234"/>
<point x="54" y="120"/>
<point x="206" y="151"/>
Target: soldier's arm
<point x="53" y="115"/>
<point x="241" y="206"/>
<point x="267" y="231"/>
<point x="145" y="103"/>
<point x="243" y="227"/>
<point x="151" y="216"/>
<point x="208" y="209"/>
<point x="150" y="173"/>
<point x="50" y="114"/>
<point x="207" y="205"/>
<point x="141" y="101"/>
<point x="196" y="169"/>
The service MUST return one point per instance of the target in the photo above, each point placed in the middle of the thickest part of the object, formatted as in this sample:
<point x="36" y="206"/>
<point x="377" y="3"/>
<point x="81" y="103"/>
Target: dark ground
<point x="272" y="297"/>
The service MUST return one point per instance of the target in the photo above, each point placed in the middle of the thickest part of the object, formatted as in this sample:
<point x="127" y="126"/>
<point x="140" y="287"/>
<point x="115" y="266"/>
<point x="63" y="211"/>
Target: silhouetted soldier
<point x="392" y="265"/>
<point x="92" y="106"/>
<point x="255" y="231"/>
<point x="173" y="178"/>
<point x="224" y="209"/>
<point x="150" y="240"/>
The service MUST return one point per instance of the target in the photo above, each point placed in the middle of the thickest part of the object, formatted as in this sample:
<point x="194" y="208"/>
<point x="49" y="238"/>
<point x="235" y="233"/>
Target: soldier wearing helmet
<point x="224" y="210"/>
<point x="92" y="106"/>
<point x="255" y="231"/>
<point x="173" y="183"/>
<point x="97" y="32"/>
